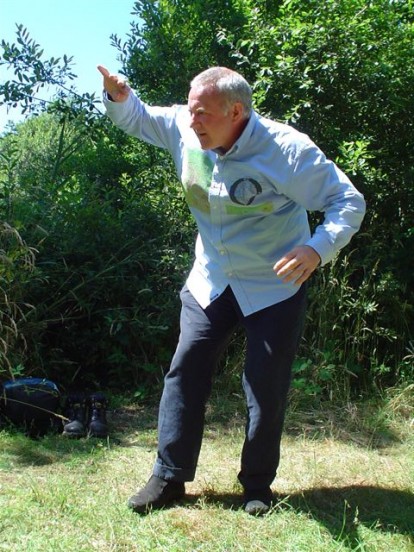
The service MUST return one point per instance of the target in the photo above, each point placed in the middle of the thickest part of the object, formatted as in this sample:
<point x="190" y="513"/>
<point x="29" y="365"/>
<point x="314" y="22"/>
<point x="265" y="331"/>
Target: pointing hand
<point x="115" y="85"/>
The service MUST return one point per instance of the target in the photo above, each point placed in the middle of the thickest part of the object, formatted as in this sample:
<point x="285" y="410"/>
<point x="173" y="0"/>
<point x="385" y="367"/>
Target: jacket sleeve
<point x="319" y="185"/>
<point x="155" y="125"/>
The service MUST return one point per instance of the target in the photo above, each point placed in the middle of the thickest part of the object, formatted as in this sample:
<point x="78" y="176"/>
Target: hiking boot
<point x="98" y="426"/>
<point x="76" y="413"/>
<point x="156" y="494"/>
<point x="257" y="502"/>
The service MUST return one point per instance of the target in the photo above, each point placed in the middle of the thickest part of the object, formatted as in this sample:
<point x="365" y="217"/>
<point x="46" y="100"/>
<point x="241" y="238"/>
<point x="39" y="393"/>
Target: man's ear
<point x="237" y="112"/>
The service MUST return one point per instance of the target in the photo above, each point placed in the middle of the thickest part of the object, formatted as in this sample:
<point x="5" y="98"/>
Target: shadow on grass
<point x="342" y="510"/>
<point x="20" y="449"/>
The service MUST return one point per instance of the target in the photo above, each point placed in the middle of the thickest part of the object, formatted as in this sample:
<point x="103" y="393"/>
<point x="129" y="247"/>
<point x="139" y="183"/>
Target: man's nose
<point x="193" y="120"/>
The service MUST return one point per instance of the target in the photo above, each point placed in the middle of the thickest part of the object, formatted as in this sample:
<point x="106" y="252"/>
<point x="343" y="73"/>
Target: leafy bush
<point x="107" y="265"/>
<point x="108" y="225"/>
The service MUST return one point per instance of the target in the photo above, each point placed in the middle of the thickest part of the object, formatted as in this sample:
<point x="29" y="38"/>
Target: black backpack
<point x="32" y="404"/>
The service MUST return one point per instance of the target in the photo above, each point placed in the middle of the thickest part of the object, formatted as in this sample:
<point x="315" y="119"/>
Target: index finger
<point x="283" y="261"/>
<point x="103" y="70"/>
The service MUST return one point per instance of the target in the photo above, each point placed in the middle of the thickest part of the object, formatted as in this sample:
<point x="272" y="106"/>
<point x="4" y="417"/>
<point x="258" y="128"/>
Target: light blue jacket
<point x="251" y="203"/>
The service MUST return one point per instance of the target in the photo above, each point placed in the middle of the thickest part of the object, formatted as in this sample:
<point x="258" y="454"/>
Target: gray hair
<point x="228" y="83"/>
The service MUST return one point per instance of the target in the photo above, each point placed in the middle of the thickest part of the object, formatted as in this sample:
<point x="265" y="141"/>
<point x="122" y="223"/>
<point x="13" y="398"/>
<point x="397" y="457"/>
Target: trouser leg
<point x="187" y="385"/>
<point x="273" y="336"/>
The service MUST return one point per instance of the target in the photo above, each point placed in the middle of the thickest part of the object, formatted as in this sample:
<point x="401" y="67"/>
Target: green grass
<point x="345" y="483"/>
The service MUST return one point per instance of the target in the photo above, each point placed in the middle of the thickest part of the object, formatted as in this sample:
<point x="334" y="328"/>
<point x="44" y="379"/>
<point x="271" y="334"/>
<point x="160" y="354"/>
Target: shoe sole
<point x="145" y="508"/>
<point x="148" y="508"/>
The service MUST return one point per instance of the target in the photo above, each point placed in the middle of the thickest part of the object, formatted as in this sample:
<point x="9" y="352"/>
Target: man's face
<point x="214" y="123"/>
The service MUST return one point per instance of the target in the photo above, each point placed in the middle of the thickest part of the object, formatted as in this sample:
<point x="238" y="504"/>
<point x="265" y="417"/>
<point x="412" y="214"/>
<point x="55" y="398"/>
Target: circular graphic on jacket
<point x="244" y="191"/>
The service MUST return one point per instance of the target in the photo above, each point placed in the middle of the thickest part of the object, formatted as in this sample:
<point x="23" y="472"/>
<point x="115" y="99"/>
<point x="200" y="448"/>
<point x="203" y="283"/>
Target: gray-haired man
<point x="249" y="183"/>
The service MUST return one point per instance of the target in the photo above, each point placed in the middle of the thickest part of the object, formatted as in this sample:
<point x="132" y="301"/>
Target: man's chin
<point x="205" y="143"/>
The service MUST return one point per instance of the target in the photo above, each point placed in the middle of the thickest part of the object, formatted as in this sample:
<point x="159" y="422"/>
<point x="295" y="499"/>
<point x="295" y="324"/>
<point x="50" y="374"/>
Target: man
<point x="249" y="182"/>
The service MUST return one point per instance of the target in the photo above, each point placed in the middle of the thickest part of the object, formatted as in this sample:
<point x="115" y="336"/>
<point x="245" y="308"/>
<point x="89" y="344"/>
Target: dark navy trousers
<point x="273" y="336"/>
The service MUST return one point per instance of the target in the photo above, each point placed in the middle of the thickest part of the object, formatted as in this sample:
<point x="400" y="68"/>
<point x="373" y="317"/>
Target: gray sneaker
<point x="156" y="494"/>
<point x="257" y="501"/>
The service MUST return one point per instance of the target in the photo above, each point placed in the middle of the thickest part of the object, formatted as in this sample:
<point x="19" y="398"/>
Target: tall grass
<point x="17" y="264"/>
<point x="356" y="331"/>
